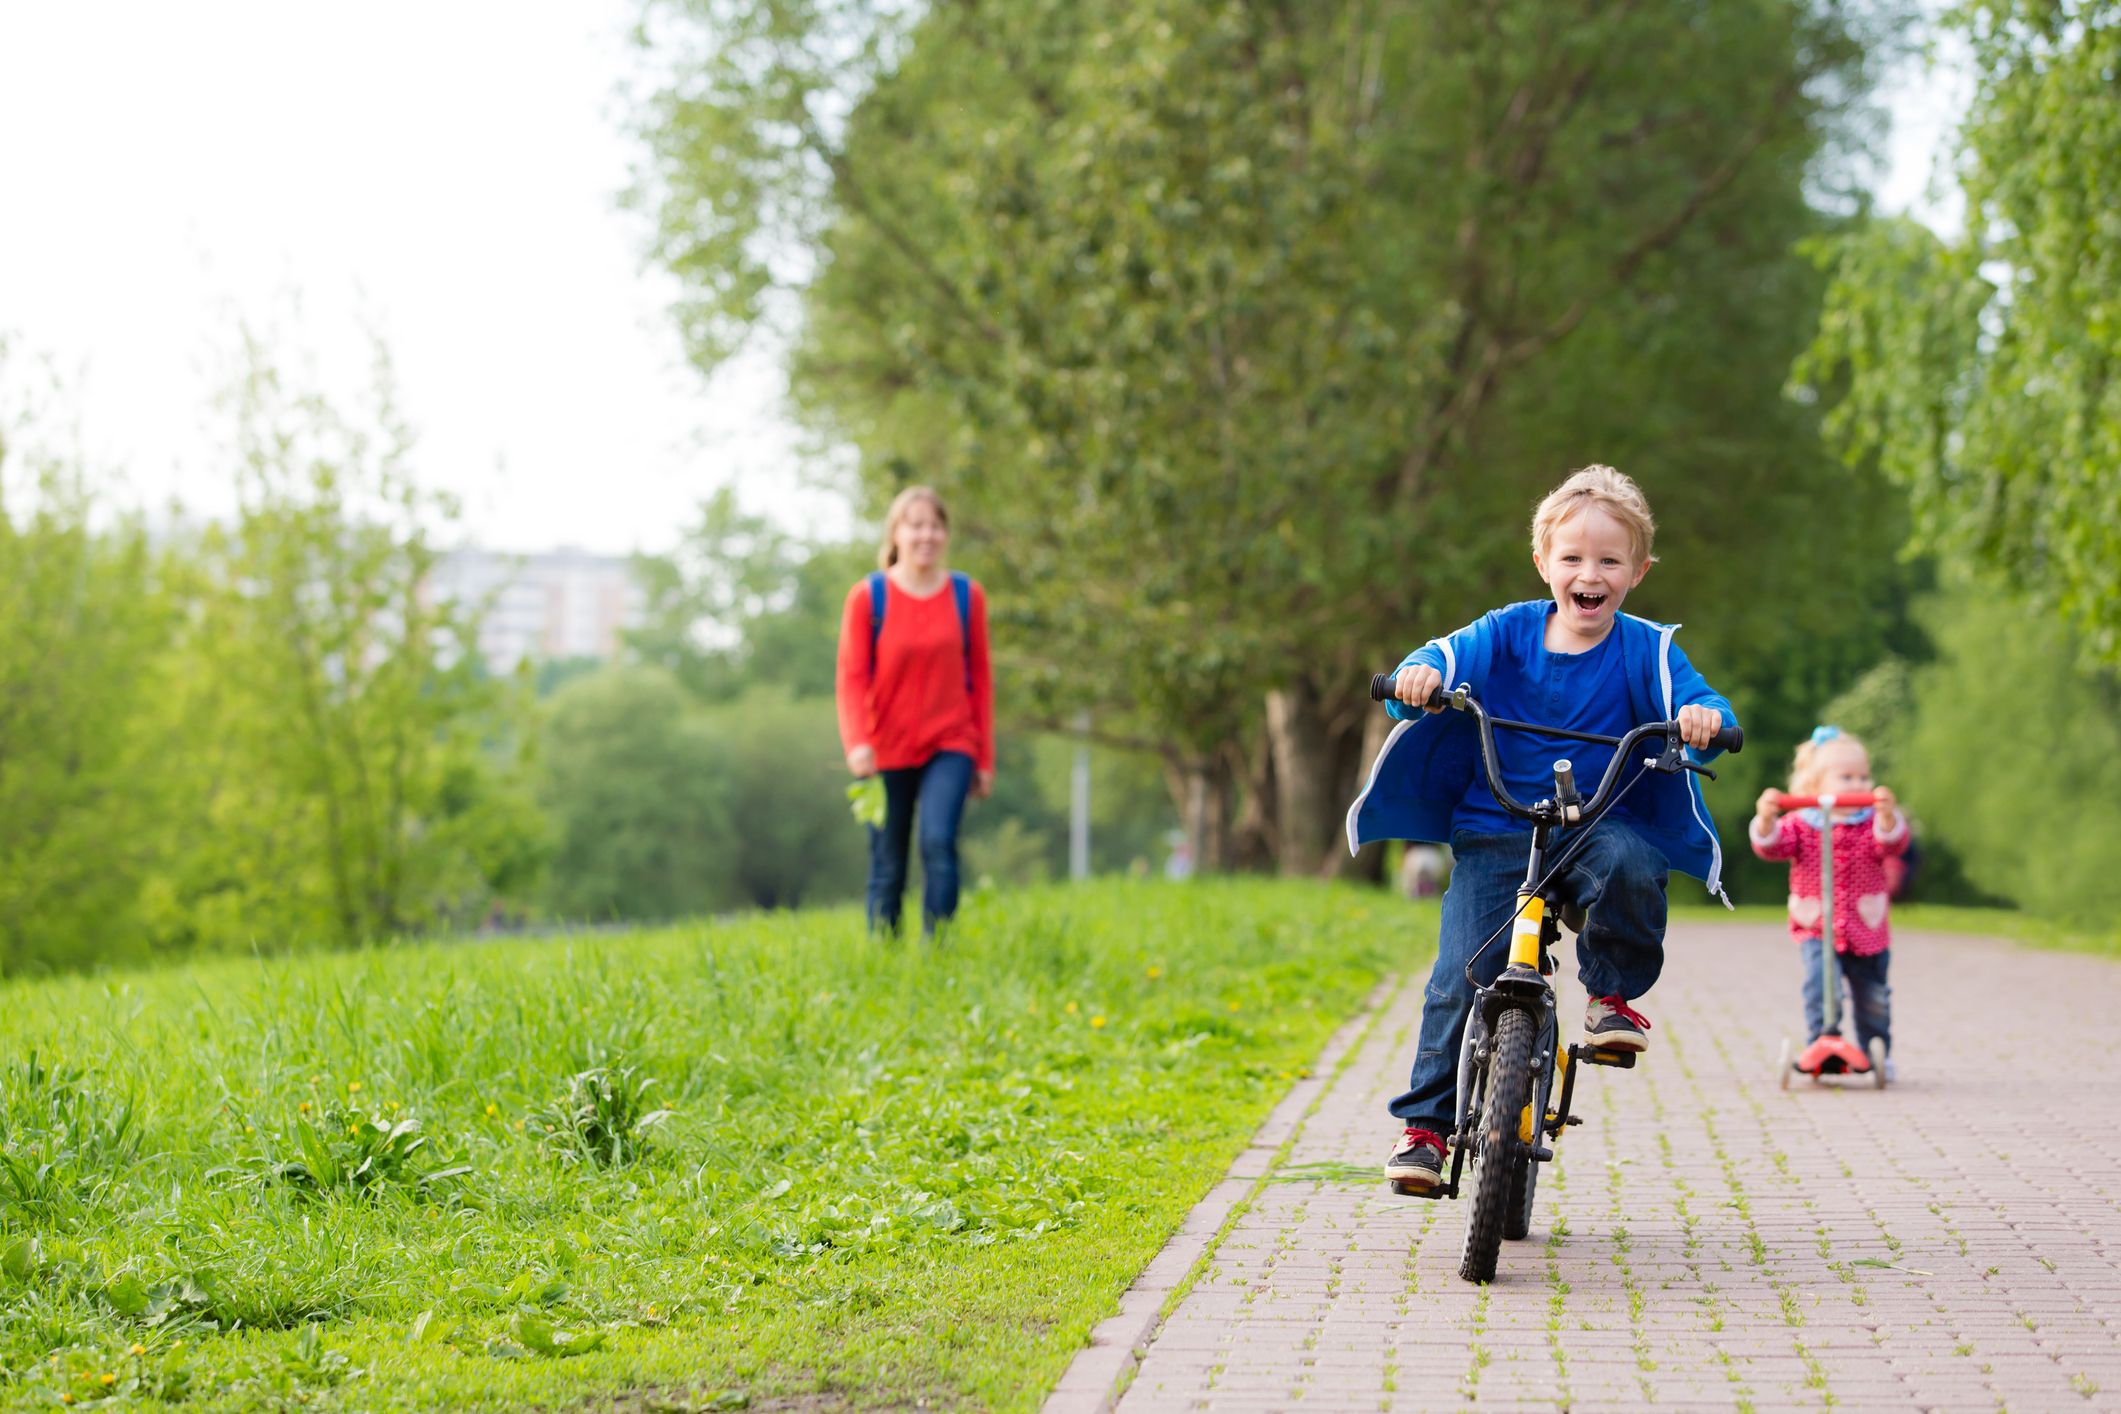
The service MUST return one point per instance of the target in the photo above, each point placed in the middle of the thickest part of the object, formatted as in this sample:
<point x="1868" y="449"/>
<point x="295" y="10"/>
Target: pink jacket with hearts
<point x="1860" y="894"/>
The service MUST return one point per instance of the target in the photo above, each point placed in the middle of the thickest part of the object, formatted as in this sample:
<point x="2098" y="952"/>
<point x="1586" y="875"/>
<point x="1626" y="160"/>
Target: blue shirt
<point x="1582" y="692"/>
<point x="1430" y="763"/>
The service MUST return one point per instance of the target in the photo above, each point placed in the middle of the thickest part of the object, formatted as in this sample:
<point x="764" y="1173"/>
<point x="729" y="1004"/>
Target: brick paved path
<point x="1703" y="1240"/>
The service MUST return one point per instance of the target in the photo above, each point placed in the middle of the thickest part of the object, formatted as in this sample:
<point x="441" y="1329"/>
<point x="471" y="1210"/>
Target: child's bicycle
<point x="1511" y="1054"/>
<point x="1831" y="1053"/>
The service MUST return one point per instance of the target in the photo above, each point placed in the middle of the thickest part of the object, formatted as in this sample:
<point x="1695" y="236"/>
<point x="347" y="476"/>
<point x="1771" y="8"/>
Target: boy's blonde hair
<point x="904" y="501"/>
<point x="1610" y="491"/>
<point x="1811" y="757"/>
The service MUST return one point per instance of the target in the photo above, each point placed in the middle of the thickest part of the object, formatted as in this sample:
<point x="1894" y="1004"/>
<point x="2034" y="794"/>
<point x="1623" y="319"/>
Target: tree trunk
<point x="1201" y="787"/>
<point x="1303" y="777"/>
<point x="1369" y="862"/>
<point x="1252" y="835"/>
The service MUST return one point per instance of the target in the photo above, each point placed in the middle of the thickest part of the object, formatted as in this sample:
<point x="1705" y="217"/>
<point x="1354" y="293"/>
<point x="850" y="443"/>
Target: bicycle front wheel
<point x="1501" y="1153"/>
<point x="1524" y="1183"/>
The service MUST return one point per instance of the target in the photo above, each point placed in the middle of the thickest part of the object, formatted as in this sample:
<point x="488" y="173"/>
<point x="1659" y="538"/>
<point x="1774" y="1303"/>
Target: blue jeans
<point x="1864" y="986"/>
<point x="936" y="792"/>
<point x="1618" y="880"/>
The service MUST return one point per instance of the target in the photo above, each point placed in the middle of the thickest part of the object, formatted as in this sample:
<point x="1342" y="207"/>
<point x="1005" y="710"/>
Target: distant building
<point x="553" y="605"/>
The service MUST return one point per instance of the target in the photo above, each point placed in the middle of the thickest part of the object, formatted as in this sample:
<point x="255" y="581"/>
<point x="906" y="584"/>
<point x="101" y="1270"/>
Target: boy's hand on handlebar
<point x="1698" y="725"/>
<point x="1414" y="684"/>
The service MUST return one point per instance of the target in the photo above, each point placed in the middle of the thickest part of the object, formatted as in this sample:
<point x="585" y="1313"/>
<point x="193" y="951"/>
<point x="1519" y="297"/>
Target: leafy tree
<point x="2012" y="756"/>
<point x="342" y="770"/>
<point x="639" y="795"/>
<point x="82" y="613"/>
<point x="793" y="842"/>
<point x="1229" y="318"/>
<point x="742" y="601"/>
<point x="1980" y="371"/>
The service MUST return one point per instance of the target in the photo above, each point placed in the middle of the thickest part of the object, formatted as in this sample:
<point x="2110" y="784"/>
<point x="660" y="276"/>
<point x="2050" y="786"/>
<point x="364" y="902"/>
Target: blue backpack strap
<point x="961" y="590"/>
<point x="876" y="615"/>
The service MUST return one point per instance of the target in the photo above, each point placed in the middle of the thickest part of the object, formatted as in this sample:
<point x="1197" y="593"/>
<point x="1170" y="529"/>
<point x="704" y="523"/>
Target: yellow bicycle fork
<point x="1524" y="952"/>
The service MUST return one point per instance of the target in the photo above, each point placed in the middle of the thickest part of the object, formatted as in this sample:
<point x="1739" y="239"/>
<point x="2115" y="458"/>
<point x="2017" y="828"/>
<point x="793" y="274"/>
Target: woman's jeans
<point x="936" y="793"/>
<point x="1618" y="880"/>
<point x="1873" y="1000"/>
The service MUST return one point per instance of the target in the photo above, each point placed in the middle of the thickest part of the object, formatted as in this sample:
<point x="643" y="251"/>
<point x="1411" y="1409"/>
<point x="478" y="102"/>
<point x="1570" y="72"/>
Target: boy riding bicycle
<point x="1573" y="662"/>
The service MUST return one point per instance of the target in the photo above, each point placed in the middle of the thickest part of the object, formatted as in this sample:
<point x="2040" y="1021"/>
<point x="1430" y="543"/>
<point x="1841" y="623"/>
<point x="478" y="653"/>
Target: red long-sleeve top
<point x="914" y="705"/>
<point x="1862" y="901"/>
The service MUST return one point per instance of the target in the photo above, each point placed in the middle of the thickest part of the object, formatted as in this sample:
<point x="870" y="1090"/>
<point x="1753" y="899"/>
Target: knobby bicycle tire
<point x="1501" y="1151"/>
<point x="1524" y="1180"/>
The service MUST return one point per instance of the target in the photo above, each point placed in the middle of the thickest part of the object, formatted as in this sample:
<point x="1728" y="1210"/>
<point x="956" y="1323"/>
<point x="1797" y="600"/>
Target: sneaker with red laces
<point x="1416" y="1164"/>
<point x="1610" y="1024"/>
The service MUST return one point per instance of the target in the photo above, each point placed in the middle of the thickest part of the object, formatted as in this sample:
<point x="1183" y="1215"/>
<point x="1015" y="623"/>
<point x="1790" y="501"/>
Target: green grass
<point x="2007" y="923"/>
<point x="891" y="1174"/>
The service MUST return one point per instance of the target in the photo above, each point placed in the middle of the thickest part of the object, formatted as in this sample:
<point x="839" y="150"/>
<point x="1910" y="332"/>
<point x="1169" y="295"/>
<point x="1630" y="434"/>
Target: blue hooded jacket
<point x="1430" y="759"/>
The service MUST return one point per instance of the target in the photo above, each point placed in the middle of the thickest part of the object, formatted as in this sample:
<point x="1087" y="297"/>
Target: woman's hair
<point x="1601" y="486"/>
<point x="1811" y="754"/>
<point x="904" y="501"/>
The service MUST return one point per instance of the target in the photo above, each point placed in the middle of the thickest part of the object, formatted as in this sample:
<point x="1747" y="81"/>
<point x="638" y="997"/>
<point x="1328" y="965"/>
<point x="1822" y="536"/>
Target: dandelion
<point x="392" y="1106"/>
<point x="1233" y="1006"/>
<point x="353" y="1087"/>
<point x="1155" y="972"/>
<point x="66" y="1399"/>
<point x="1097" y="1023"/>
<point x="519" y="1124"/>
<point x="493" y="1109"/>
<point x="303" y="1107"/>
<point x="109" y="1378"/>
<point x="138" y="1349"/>
<point x="1071" y="1008"/>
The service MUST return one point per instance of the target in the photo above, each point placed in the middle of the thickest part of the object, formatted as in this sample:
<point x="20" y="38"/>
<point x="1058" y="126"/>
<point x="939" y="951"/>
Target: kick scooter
<point x="1832" y="1053"/>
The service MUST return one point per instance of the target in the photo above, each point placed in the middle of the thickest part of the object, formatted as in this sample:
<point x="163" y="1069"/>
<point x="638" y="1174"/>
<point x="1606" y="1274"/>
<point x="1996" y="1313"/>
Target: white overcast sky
<point x="445" y="173"/>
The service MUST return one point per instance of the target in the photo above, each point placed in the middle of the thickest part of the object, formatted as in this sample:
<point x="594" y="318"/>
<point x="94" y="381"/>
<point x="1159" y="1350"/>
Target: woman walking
<point x="916" y="702"/>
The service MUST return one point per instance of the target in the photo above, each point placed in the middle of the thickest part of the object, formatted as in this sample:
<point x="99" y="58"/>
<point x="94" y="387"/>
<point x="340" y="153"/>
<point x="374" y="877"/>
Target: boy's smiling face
<point x="1590" y="563"/>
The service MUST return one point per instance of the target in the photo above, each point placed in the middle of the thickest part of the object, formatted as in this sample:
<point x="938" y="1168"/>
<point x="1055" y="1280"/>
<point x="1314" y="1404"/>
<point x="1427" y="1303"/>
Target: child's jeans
<point x="1873" y="1000"/>
<point x="1618" y="879"/>
<point x="936" y="793"/>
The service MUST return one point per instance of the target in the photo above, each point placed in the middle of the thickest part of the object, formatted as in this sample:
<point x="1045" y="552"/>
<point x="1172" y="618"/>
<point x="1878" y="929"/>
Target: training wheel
<point x="1782" y="1065"/>
<point x="1876" y="1050"/>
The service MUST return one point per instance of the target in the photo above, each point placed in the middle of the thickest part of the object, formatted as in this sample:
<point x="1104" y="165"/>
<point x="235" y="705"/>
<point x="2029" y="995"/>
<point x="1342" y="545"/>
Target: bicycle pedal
<point x="1407" y="1190"/>
<point x="1592" y="1055"/>
<point x="1573" y="1119"/>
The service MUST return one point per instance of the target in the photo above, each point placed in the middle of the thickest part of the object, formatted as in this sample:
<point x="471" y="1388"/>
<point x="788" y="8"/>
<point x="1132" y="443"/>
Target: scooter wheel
<point x="1782" y="1065"/>
<point x="1876" y="1050"/>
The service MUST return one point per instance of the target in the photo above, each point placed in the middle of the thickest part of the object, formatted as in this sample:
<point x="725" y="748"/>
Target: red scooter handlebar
<point x="1854" y="800"/>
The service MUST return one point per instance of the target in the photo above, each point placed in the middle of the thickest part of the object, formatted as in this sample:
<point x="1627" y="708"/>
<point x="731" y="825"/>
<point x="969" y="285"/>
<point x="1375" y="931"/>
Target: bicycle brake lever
<point x="1674" y="760"/>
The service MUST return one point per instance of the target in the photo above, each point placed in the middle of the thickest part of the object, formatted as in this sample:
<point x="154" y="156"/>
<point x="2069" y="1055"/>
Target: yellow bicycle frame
<point x="1524" y="952"/>
<point x="1524" y="942"/>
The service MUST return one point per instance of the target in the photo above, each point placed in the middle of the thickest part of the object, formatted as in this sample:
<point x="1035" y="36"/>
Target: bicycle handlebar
<point x="1731" y="739"/>
<point x="1854" y="800"/>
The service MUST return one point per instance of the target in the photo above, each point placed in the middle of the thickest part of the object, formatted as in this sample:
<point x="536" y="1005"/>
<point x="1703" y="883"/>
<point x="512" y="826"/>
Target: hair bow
<point x="1822" y="735"/>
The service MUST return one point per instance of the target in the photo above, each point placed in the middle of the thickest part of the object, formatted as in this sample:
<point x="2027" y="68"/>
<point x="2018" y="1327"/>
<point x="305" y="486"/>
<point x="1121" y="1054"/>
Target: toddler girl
<point x="1835" y="763"/>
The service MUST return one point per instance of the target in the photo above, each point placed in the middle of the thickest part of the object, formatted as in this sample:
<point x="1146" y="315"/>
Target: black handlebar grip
<point x="1381" y="689"/>
<point x="1731" y="739"/>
